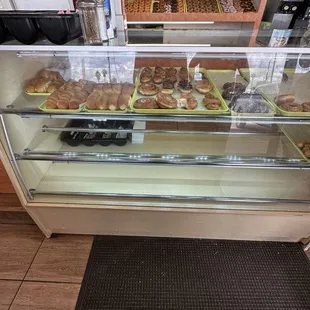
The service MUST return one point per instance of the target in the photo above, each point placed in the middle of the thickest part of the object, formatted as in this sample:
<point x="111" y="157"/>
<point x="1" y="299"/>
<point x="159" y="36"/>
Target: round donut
<point x="306" y="106"/>
<point x="166" y="101"/>
<point x="213" y="106"/>
<point x="292" y="107"/>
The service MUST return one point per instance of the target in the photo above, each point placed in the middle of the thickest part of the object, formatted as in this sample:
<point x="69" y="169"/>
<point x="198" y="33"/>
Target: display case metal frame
<point x="236" y="217"/>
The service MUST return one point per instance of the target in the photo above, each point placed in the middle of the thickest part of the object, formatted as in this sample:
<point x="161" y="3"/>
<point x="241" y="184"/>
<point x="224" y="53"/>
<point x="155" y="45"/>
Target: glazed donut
<point x="166" y="101"/>
<point x="306" y="106"/>
<point x="204" y="86"/>
<point x="307" y="154"/>
<point x="148" y="89"/>
<point x="213" y="106"/>
<point x="157" y="79"/>
<point x="188" y="101"/>
<point x="283" y="99"/>
<point x="210" y="99"/>
<point x="292" y="107"/>
<point x="160" y="71"/>
<point x="300" y="145"/>
<point x="146" y="103"/>
<point x="306" y="148"/>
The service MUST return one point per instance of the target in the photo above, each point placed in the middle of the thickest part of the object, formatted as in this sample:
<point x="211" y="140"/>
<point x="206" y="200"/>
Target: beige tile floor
<point x="38" y="273"/>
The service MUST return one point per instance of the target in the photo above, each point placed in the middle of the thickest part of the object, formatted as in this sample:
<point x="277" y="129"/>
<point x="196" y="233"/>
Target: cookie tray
<point x="201" y="109"/>
<point x="291" y="132"/>
<point x="217" y="2"/>
<point x="43" y="108"/>
<point x="179" y="11"/>
<point x="220" y="77"/>
<point x="286" y="88"/>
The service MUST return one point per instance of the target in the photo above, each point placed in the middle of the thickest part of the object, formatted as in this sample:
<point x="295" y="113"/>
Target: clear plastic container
<point x="89" y="22"/>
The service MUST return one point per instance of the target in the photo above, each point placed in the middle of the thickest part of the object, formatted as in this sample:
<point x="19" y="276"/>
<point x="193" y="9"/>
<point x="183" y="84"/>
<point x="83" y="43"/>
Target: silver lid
<point x="86" y="4"/>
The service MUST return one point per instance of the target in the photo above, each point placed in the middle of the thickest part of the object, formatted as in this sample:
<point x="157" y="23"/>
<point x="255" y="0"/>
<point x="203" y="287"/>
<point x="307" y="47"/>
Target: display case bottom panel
<point x="183" y="181"/>
<point x="163" y="222"/>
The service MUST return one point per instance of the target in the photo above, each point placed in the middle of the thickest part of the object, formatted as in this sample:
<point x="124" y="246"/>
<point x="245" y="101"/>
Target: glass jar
<point x="90" y="23"/>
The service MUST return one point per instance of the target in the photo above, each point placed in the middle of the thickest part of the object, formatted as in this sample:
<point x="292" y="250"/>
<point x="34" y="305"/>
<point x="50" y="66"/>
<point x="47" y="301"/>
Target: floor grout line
<point x="54" y="282"/>
<point x="22" y="281"/>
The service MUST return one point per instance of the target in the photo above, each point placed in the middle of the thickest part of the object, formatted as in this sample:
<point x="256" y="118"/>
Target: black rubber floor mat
<point x="164" y="273"/>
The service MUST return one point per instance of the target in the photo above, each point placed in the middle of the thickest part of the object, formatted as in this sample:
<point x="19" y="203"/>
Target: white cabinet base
<point x="238" y="225"/>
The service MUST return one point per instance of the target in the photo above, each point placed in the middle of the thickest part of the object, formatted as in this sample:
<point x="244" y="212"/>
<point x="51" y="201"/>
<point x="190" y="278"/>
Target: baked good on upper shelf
<point x="305" y="148"/>
<point x="232" y="89"/>
<point x="157" y="79"/>
<point x="204" y="86"/>
<point x="168" y="87"/>
<point x="68" y="96"/>
<point x="148" y="89"/>
<point x="287" y="103"/>
<point x="171" y="71"/>
<point x="112" y="102"/>
<point x="55" y="85"/>
<point x="42" y="85"/>
<point x="110" y="96"/>
<point x="44" y="82"/>
<point x="185" y="87"/>
<point x="211" y="102"/>
<point x="123" y="101"/>
<point x="166" y="101"/>
<point x="284" y="99"/>
<point x="160" y="71"/>
<point x="188" y="101"/>
<point x="146" y="103"/>
<point x="128" y="88"/>
<point x="185" y="75"/>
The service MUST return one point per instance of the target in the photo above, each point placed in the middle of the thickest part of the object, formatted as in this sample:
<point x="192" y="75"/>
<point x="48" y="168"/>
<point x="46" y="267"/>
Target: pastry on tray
<point x="166" y="101"/>
<point x="148" y="89"/>
<point x="287" y="103"/>
<point x="185" y="87"/>
<point x="211" y="102"/>
<point x="45" y="82"/>
<point x="146" y="103"/>
<point x="168" y="87"/>
<point x="171" y="71"/>
<point x="184" y="74"/>
<point x="188" y="101"/>
<point x="157" y="79"/>
<point x="146" y="75"/>
<point x="127" y="88"/>
<point x="232" y="89"/>
<point x="204" y="86"/>
<point x="160" y="71"/>
<point x="305" y="148"/>
<point x="65" y="99"/>
<point x="110" y="96"/>
<point x="284" y="99"/>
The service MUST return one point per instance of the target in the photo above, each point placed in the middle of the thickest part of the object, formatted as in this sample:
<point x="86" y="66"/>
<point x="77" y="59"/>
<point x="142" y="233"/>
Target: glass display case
<point x="171" y="141"/>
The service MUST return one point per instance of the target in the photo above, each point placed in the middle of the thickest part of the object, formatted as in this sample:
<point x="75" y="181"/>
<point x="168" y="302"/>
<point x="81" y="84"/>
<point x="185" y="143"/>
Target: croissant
<point x="42" y="85"/>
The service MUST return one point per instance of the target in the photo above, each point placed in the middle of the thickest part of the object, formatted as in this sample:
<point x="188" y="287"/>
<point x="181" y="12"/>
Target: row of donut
<point x="191" y="6"/>
<point x="163" y="82"/>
